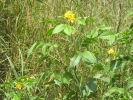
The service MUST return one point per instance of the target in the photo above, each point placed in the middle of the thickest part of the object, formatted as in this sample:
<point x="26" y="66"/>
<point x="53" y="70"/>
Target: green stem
<point x="76" y="78"/>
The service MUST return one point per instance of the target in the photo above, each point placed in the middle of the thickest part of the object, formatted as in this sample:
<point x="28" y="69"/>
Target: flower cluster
<point x="111" y="51"/>
<point x="69" y="16"/>
<point x="19" y="85"/>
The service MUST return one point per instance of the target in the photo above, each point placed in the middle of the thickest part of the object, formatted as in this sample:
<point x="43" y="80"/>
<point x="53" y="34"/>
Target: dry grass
<point x="22" y="24"/>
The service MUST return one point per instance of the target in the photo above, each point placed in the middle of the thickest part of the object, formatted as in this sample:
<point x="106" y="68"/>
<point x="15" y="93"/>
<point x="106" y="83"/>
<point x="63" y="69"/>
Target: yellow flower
<point x="19" y="85"/>
<point x="111" y="51"/>
<point x="69" y="16"/>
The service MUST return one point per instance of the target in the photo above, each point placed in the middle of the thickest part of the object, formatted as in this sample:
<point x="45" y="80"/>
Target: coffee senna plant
<point x="66" y="50"/>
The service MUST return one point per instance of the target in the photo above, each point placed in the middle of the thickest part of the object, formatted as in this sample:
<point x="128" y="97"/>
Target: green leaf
<point x="98" y="67"/>
<point x="131" y="26"/>
<point x="22" y="61"/>
<point x="69" y="30"/>
<point x="69" y="95"/>
<point x="105" y="79"/>
<point x="111" y="39"/>
<point x="31" y="49"/>
<point x="38" y="45"/>
<point x="128" y="14"/>
<point x="94" y="33"/>
<point x="58" y="28"/>
<point x="106" y="35"/>
<point x="75" y="60"/>
<point x="16" y="97"/>
<point x="116" y="64"/>
<point x="49" y="83"/>
<point x="91" y="83"/>
<point x="57" y="82"/>
<point x="48" y="47"/>
<point x="113" y="90"/>
<point x="89" y="57"/>
<point x="85" y="90"/>
<point x="59" y="79"/>
<point x="81" y="21"/>
<point x="130" y="83"/>
<point x="34" y="98"/>
<point x="97" y="76"/>
<point x="65" y="80"/>
<point x="13" y="68"/>
<point x="45" y="47"/>
<point x="53" y="46"/>
<point x="56" y="74"/>
<point x="131" y="50"/>
<point x="103" y="27"/>
<point x="89" y="87"/>
<point x="67" y="77"/>
<point x="49" y="32"/>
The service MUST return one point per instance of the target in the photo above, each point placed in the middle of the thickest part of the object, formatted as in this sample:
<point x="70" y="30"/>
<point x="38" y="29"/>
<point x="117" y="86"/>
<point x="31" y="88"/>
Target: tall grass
<point x="25" y="24"/>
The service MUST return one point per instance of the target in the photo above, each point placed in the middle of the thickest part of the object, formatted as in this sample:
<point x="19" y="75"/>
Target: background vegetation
<point x="39" y="60"/>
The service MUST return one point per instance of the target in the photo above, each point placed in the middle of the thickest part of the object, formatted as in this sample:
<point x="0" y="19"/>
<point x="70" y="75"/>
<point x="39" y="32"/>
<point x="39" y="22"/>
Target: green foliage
<point x="130" y="83"/>
<point x="89" y="87"/>
<point x="67" y="29"/>
<point x="113" y="90"/>
<point x="75" y="60"/>
<point x="84" y="55"/>
<point x="89" y="57"/>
